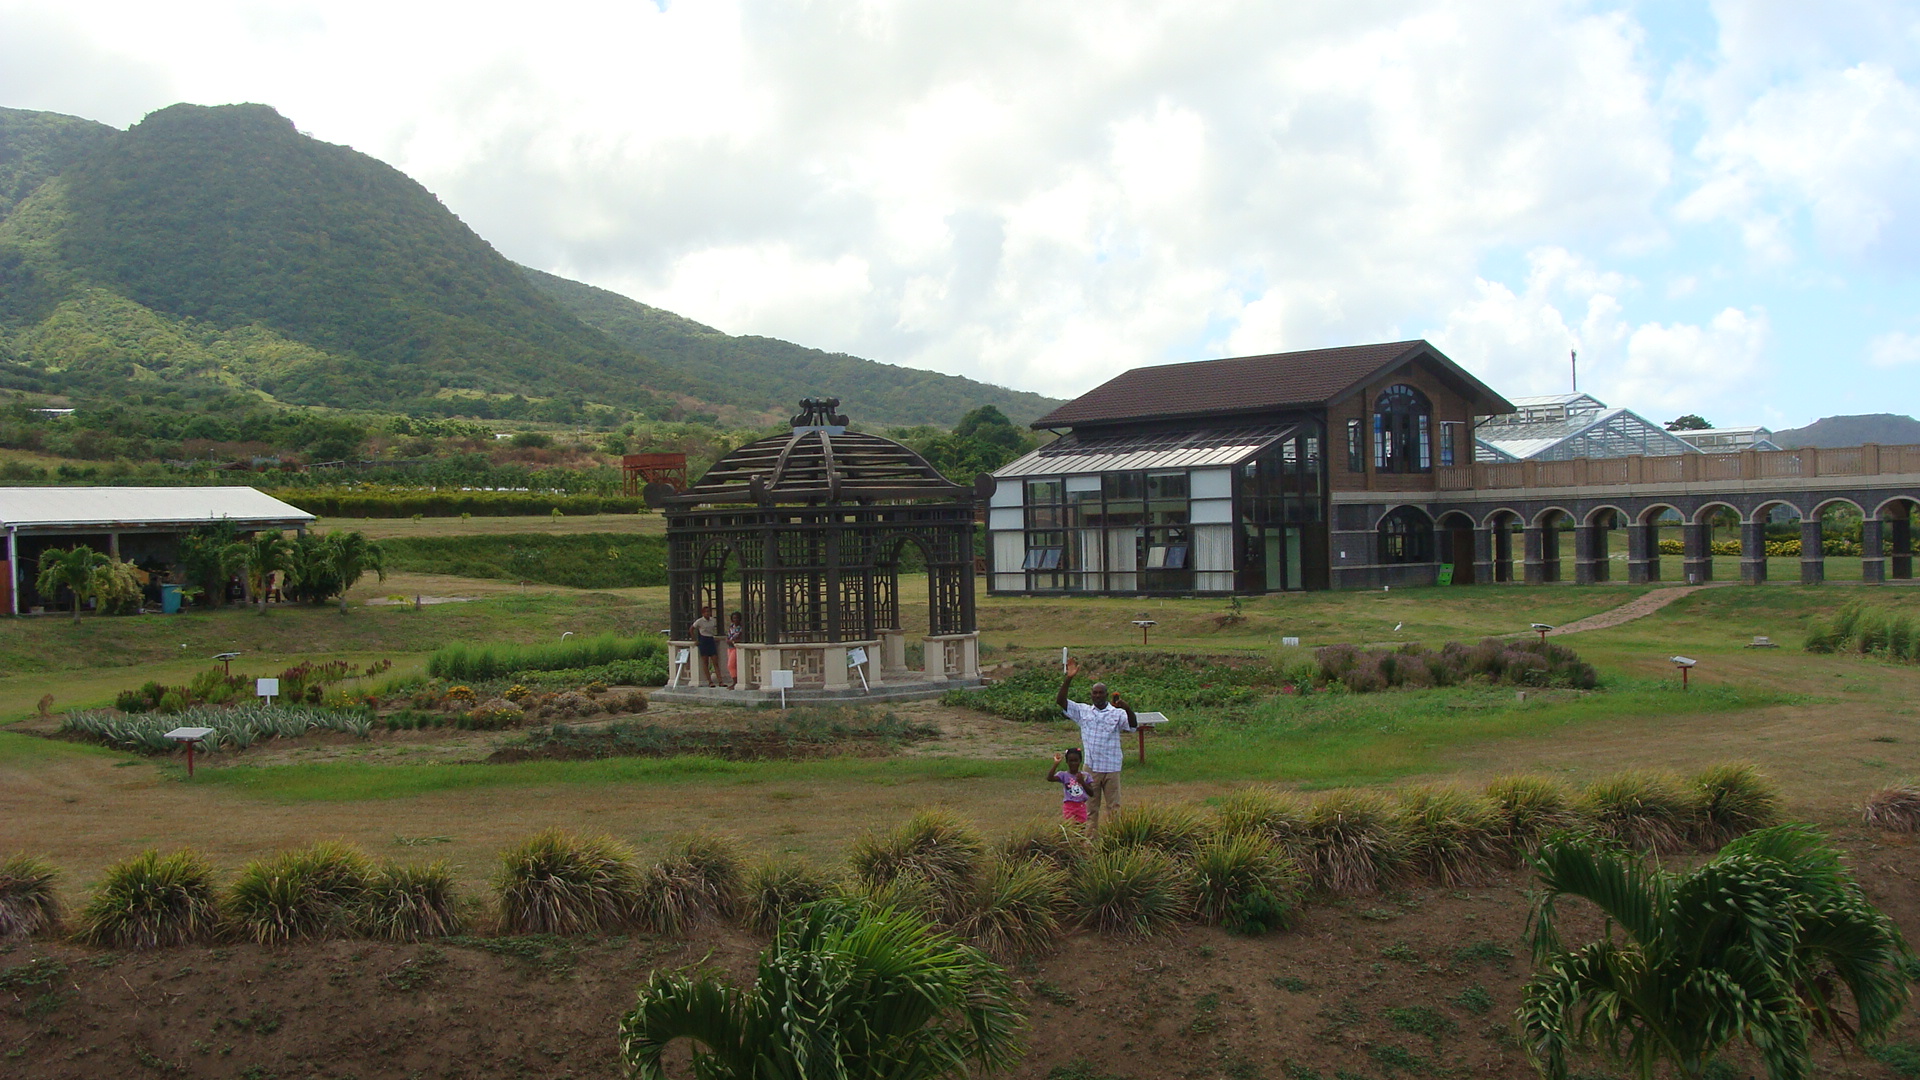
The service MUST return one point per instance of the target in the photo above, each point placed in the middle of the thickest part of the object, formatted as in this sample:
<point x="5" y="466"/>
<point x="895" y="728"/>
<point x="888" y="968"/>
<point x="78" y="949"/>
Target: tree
<point x="352" y="555"/>
<point x="210" y="555"/>
<point x="267" y="553"/>
<point x="76" y="569"/>
<point x="845" y="991"/>
<point x="1689" y="422"/>
<point x="1753" y="946"/>
<point x="310" y="569"/>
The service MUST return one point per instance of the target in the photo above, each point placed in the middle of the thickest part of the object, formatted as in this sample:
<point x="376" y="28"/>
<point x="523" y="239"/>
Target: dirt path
<point x="1637" y="608"/>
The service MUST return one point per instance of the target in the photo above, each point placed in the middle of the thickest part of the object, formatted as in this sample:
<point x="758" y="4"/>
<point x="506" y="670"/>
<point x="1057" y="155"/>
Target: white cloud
<point x="1692" y="367"/>
<point x="1894" y="350"/>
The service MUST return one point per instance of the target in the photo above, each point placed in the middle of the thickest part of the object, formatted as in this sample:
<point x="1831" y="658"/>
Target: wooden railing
<point x="1807" y="462"/>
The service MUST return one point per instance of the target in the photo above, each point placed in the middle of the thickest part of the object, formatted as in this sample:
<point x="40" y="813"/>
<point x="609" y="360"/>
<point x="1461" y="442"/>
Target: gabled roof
<point x="1612" y="433"/>
<point x="1257" y="384"/>
<point x="144" y="507"/>
<point x="1126" y="451"/>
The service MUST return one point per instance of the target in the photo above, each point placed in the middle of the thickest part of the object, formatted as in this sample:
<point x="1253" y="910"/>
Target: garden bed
<point x="800" y="734"/>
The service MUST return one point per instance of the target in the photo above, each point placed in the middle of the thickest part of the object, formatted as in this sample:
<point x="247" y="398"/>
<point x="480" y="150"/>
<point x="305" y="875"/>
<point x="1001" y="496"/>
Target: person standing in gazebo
<point x="1101" y="718"/>
<point x="706" y="646"/>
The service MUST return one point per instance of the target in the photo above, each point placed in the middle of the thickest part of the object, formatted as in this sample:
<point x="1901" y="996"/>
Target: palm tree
<point x="845" y="991"/>
<point x="1751" y="947"/>
<point x="351" y="555"/>
<point x="76" y="569"/>
<point x="267" y="553"/>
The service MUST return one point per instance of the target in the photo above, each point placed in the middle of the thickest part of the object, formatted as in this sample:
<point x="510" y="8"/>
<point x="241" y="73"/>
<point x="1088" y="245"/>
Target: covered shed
<point x="139" y="524"/>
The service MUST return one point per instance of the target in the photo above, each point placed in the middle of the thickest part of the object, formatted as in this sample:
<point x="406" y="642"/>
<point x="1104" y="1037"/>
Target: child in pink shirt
<point x="1073" y="781"/>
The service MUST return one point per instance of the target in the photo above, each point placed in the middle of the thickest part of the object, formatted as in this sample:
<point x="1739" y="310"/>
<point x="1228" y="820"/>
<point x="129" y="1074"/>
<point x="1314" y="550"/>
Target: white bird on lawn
<point x="566" y="635"/>
<point x="1397" y="626"/>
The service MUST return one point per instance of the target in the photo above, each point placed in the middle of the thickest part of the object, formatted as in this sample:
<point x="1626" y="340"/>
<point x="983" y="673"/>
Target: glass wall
<point x="1282" y="499"/>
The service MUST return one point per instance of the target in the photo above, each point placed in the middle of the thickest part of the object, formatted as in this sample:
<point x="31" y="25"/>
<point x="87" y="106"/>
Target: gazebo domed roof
<point x="819" y="462"/>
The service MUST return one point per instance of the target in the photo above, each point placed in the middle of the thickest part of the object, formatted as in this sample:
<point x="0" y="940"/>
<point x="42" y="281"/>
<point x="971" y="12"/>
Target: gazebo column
<point x="1813" y="556"/>
<point x="1698" y="564"/>
<point x="833" y="667"/>
<point x="1753" y="553"/>
<point x="1873" y="552"/>
<point x="893" y="650"/>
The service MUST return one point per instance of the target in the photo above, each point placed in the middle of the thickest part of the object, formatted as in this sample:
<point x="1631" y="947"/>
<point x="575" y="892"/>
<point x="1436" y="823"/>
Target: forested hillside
<point x="1887" y="429"/>
<point x="219" y="251"/>
<point x="772" y="374"/>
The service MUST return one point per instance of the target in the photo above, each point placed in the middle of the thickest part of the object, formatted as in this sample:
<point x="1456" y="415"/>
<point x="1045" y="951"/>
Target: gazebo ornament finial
<point x="820" y="413"/>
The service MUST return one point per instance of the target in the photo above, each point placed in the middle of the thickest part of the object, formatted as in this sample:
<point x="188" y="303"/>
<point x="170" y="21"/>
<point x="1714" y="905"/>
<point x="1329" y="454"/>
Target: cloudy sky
<point x="1717" y="204"/>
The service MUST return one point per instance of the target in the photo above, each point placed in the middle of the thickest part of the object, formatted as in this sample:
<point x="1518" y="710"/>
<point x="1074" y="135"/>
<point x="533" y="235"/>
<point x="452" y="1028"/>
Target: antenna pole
<point x="1573" y="358"/>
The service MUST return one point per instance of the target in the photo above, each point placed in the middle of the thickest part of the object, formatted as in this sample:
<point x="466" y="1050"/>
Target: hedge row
<point x="354" y="504"/>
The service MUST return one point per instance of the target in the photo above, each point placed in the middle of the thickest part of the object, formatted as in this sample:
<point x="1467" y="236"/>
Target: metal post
<point x="13" y="569"/>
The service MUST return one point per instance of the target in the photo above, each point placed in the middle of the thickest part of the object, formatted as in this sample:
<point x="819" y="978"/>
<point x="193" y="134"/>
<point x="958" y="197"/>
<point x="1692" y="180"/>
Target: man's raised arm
<point x="1073" y="668"/>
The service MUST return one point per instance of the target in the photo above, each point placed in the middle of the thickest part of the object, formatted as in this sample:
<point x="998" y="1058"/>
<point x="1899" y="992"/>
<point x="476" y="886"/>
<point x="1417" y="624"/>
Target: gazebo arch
<point x="815" y="521"/>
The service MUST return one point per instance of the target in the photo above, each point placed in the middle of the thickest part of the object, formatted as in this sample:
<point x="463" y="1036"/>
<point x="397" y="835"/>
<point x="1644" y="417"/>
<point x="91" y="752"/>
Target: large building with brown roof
<point x="1302" y="470"/>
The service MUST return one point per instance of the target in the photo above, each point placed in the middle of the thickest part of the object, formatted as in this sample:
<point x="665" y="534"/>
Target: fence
<point x="1868" y="460"/>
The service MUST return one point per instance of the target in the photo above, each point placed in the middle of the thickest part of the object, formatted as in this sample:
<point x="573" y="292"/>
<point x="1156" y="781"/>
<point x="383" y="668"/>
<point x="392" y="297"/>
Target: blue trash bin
<point x="170" y="599"/>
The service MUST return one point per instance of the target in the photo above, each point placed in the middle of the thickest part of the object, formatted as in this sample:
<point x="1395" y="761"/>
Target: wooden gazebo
<point x="815" y="527"/>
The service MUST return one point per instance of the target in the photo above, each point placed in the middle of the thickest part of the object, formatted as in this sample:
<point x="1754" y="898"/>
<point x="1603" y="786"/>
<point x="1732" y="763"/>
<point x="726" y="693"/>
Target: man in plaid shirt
<point x="1101" y="719"/>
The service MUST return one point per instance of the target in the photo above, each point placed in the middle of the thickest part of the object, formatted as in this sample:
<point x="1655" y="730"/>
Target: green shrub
<point x="1733" y="799"/>
<point x="297" y="895"/>
<point x="356" y="502"/>
<point x="151" y="901"/>
<point x="776" y="887"/>
<point x="698" y="878"/>
<point x="1259" y="811"/>
<point x="1452" y="837"/>
<point x="1895" y="808"/>
<point x="933" y="845"/>
<point x="557" y="883"/>
<point x="1530" y="808"/>
<point x="462" y="661"/>
<point x="1137" y="891"/>
<point x="1350" y="844"/>
<point x="1645" y="811"/>
<point x="1175" y="828"/>
<point x="1015" y="909"/>
<point x="410" y="903"/>
<point x="1260" y="912"/>
<point x="905" y="891"/>
<point x="29" y="900"/>
<point x="1228" y="871"/>
<point x="1046" y="839"/>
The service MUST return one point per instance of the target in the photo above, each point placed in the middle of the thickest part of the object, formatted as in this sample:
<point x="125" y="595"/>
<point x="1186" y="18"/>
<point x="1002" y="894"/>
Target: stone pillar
<point x="1753" y="553"/>
<point x="1483" y="556"/>
<point x="1813" y="559"/>
<point x="893" y="650"/>
<point x="1589" y="554"/>
<point x="1698" y="565"/>
<point x="833" y="666"/>
<point x="1873" y="552"/>
<point x="1643" y="563"/>
<point x="1900" y="548"/>
<point x="936" y="657"/>
<point x="1502" y="552"/>
<point x="1534" y="565"/>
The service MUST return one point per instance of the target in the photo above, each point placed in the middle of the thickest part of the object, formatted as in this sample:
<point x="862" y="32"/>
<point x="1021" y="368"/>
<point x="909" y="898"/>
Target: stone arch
<point x="1457" y="545"/>
<point x="1405" y="534"/>
<point x="1653" y="513"/>
<point x="1540" y="519"/>
<point x="1912" y="501"/>
<point x="1499" y="524"/>
<point x="1543" y="539"/>
<point x="1759" y="514"/>
<point x="1496" y="516"/>
<point x="1705" y="512"/>
<point x="1593" y="515"/>
<point x="1888" y="533"/>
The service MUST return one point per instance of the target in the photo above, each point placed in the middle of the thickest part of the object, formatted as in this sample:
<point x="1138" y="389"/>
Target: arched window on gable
<point x="1402" y="423"/>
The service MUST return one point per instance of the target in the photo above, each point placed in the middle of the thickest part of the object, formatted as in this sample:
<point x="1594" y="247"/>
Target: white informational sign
<point x="856" y="656"/>
<point x="266" y="688"/>
<point x="1147" y="719"/>
<point x="680" y="657"/>
<point x="1290" y="642"/>
<point x="780" y="679"/>
<point x="189" y="734"/>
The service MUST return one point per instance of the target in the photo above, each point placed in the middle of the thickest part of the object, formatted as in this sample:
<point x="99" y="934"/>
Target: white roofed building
<point x="1559" y="427"/>
<point x="140" y="524"/>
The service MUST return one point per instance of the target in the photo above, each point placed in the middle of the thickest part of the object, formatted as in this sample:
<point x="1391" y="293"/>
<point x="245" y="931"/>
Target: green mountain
<point x="773" y="374"/>
<point x="1887" y="429"/>
<point x="219" y="246"/>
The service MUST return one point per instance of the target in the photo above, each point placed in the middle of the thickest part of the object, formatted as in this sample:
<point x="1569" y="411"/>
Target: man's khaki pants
<point x="1103" y="793"/>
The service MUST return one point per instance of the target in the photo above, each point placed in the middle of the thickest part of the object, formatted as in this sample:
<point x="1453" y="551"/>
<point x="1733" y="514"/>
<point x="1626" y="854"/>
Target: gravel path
<point x="1637" y="608"/>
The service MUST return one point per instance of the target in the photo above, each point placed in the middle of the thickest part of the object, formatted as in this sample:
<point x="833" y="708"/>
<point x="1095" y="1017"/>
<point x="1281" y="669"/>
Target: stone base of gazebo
<point x="908" y="687"/>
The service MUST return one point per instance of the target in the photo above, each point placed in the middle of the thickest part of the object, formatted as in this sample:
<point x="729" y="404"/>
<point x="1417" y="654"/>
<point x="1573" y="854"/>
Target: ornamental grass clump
<point x="1454" y="838"/>
<point x="1645" y="811"/>
<point x="1259" y="811"/>
<point x="152" y="900"/>
<point x="1530" y="809"/>
<point x="1046" y="839"/>
<point x="1245" y="883"/>
<point x="29" y="903"/>
<point x="933" y="845"/>
<point x="1351" y="844"/>
<point x="1015" y="909"/>
<point x="776" y="887"/>
<point x="1731" y="800"/>
<point x="411" y="903"/>
<point x="1136" y="891"/>
<point x="1895" y="808"/>
<point x="298" y="895"/>
<point x="1177" y="829"/>
<point x="699" y="878"/>
<point x="557" y="883"/>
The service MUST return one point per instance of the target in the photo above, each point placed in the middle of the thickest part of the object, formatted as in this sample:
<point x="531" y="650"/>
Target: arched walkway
<point x="1457" y="547"/>
<point x="1542" y="562"/>
<point x="1886" y="541"/>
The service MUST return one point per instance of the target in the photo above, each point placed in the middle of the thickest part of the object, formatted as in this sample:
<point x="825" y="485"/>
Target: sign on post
<point x="780" y="679"/>
<point x="191" y="736"/>
<point x="1147" y="720"/>
<point x="1446" y="573"/>
<point x="266" y="688"/>
<point x="856" y="659"/>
